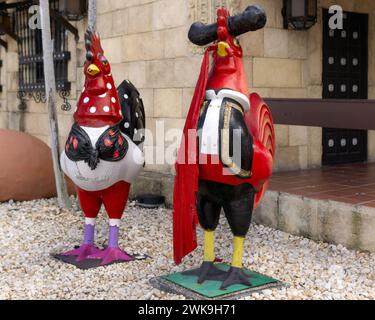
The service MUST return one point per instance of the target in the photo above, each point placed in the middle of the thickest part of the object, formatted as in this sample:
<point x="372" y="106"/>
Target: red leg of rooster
<point x="90" y="204"/>
<point x="114" y="200"/>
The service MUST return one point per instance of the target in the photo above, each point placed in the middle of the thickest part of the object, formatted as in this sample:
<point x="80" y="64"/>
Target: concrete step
<point x="322" y="220"/>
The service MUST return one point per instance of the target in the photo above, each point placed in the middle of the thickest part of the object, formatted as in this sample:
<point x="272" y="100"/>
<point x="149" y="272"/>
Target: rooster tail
<point x="134" y="117"/>
<point x="261" y="125"/>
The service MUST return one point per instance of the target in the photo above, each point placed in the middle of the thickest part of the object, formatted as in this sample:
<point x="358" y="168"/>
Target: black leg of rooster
<point x="239" y="214"/>
<point x="209" y="215"/>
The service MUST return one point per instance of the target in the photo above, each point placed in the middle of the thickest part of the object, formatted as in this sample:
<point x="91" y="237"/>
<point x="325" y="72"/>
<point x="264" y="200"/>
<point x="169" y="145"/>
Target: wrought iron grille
<point x="30" y="51"/>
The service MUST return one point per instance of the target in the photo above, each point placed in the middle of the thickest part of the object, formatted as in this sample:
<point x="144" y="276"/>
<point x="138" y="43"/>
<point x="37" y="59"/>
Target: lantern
<point x="73" y="9"/>
<point x="300" y="14"/>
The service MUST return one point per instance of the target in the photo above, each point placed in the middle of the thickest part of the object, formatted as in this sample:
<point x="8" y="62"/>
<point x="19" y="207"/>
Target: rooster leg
<point x="209" y="214"/>
<point x="90" y="203"/>
<point x="239" y="215"/>
<point x="114" y="199"/>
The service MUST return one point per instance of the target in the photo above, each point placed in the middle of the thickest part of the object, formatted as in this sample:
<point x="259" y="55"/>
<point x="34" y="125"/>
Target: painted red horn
<point x="252" y="19"/>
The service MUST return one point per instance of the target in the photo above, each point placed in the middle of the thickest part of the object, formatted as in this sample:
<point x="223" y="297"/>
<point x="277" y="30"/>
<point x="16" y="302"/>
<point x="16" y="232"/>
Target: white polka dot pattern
<point x="92" y="110"/>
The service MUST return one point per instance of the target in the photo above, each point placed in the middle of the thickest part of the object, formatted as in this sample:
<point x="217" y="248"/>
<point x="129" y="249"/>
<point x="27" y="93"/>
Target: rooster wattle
<point x="103" y="153"/>
<point x="231" y="165"/>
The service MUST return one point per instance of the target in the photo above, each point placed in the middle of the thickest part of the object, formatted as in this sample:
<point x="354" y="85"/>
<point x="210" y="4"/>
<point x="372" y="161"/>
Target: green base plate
<point x="188" y="286"/>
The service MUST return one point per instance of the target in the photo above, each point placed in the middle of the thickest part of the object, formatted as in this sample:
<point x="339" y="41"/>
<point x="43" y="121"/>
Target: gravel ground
<point x="31" y="231"/>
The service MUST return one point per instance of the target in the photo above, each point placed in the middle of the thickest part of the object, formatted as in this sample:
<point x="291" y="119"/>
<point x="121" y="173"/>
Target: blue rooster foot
<point x="110" y="256"/>
<point x="207" y="271"/>
<point x="236" y="276"/>
<point x="82" y="253"/>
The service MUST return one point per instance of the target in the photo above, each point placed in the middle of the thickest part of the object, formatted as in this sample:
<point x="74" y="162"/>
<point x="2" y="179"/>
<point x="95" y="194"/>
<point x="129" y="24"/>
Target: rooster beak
<point x="222" y="49"/>
<point x="93" y="70"/>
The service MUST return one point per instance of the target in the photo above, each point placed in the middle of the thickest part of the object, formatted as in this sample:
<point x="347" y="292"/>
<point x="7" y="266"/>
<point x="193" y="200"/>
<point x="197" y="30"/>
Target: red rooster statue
<point x="103" y="154"/>
<point x="230" y="166"/>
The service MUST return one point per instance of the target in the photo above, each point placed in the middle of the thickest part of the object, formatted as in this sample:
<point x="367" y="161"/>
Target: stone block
<point x="187" y="96"/>
<point x="272" y="72"/>
<point x="248" y="64"/>
<point x="176" y="42"/>
<point x="371" y="92"/>
<point x="36" y="123"/>
<point x="371" y="146"/>
<point x="147" y="183"/>
<point x="159" y="73"/>
<point x="120" y="72"/>
<point x="252" y="43"/>
<point x="16" y="120"/>
<point x="315" y="92"/>
<point x="12" y="81"/>
<point x="145" y="46"/>
<point x="81" y="55"/>
<point x="120" y="22"/>
<point x="113" y="49"/>
<point x="169" y="14"/>
<point x="140" y="18"/>
<point x="167" y="189"/>
<point x="297" y="136"/>
<point x="168" y="103"/>
<point x="291" y="158"/>
<point x="297" y="44"/>
<point x="287" y="93"/>
<point x="3" y="120"/>
<point x="11" y="61"/>
<point x="366" y="239"/>
<point x="298" y="215"/>
<point x="12" y="101"/>
<point x="105" y="24"/>
<point x="315" y="148"/>
<point x="136" y="73"/>
<point x="282" y="135"/>
<point x="186" y="71"/>
<point x="337" y="224"/>
<point x="34" y="107"/>
<point x="65" y="124"/>
<point x="275" y="43"/>
<point x="267" y="213"/>
<point x="147" y="96"/>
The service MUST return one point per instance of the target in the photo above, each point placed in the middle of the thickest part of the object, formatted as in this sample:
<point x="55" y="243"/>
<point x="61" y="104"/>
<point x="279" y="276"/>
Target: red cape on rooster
<point x="103" y="154"/>
<point x="226" y="157"/>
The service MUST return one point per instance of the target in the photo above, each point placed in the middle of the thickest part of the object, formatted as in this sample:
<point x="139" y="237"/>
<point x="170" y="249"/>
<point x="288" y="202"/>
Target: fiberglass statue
<point x="225" y="119"/>
<point x="103" y="154"/>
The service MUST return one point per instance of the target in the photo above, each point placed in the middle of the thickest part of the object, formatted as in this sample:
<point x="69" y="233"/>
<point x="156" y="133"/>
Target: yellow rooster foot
<point x="207" y="271"/>
<point x="236" y="276"/>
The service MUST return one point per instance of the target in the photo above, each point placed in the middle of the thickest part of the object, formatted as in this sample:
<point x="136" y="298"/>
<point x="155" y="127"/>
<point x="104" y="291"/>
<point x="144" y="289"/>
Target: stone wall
<point x="146" y="41"/>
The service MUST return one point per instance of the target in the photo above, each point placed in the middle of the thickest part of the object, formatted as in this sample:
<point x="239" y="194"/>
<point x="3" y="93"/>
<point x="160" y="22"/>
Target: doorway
<point x="345" y="76"/>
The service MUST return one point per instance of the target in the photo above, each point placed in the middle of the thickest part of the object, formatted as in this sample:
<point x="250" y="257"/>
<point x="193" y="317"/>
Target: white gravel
<point x="31" y="231"/>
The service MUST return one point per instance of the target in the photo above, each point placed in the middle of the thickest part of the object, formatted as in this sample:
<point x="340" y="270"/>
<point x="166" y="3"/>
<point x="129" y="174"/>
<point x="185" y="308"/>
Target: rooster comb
<point x="92" y="43"/>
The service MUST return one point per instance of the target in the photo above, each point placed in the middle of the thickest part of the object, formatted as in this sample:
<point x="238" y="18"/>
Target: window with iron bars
<point x="30" y="51"/>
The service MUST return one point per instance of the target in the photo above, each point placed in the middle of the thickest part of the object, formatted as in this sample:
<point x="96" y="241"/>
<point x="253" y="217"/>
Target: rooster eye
<point x="104" y="60"/>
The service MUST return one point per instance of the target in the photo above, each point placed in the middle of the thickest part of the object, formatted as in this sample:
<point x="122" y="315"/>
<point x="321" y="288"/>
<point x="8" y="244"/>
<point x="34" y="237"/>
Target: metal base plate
<point x="210" y="290"/>
<point x="93" y="264"/>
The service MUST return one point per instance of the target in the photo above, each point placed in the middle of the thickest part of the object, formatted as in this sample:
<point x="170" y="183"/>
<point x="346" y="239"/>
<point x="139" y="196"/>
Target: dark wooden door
<point x="345" y="76"/>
